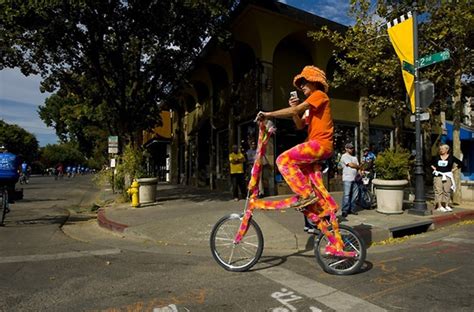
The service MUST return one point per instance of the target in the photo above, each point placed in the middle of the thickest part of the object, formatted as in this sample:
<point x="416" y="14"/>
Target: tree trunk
<point x="364" y="119"/>
<point x="457" y="118"/>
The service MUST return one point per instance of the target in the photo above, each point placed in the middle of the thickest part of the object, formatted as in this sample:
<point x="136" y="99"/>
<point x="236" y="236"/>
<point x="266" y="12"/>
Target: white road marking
<point x="64" y="255"/>
<point x="326" y="295"/>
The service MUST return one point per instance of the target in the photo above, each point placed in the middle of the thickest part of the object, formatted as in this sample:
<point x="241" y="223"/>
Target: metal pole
<point x="419" y="206"/>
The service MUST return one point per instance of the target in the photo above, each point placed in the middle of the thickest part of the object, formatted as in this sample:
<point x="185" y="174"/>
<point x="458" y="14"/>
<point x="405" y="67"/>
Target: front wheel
<point x="341" y="265"/>
<point x="236" y="257"/>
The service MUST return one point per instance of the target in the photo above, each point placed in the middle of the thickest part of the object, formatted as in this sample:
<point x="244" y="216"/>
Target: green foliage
<point x="19" y="141"/>
<point x="129" y="166"/>
<point x="365" y="60"/>
<point x="75" y="122"/>
<point x="393" y="164"/>
<point x="65" y="153"/>
<point x="118" y="59"/>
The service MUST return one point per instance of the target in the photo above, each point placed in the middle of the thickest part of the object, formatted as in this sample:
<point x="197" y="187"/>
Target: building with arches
<point x="230" y="83"/>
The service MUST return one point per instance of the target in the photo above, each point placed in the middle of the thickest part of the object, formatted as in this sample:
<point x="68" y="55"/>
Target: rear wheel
<point x="337" y="264"/>
<point x="236" y="257"/>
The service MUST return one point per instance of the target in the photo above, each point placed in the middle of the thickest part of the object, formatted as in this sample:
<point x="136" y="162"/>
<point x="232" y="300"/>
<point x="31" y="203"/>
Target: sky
<point x="20" y="96"/>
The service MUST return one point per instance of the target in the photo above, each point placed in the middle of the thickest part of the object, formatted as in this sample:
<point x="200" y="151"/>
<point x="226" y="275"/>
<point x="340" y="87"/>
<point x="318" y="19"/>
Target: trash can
<point x="147" y="190"/>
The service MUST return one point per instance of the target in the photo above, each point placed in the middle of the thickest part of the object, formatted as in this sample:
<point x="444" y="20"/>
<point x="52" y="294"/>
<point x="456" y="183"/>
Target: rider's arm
<point x="291" y="111"/>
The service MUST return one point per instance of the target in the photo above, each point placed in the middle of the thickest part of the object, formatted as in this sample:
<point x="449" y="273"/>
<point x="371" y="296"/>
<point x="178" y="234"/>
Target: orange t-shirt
<point x="320" y="124"/>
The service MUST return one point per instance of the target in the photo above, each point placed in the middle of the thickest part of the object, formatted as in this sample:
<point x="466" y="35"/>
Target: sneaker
<point x="442" y="209"/>
<point x="303" y="202"/>
<point x="449" y="209"/>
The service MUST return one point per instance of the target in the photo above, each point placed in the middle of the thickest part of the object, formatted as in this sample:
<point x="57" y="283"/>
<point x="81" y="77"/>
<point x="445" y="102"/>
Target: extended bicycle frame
<point x="316" y="212"/>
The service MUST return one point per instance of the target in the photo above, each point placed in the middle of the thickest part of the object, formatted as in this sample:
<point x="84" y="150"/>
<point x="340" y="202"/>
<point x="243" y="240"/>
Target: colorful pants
<point x="296" y="163"/>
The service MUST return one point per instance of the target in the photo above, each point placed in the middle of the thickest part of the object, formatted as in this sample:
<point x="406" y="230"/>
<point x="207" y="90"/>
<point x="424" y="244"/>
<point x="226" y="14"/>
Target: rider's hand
<point x="261" y="116"/>
<point x="294" y="101"/>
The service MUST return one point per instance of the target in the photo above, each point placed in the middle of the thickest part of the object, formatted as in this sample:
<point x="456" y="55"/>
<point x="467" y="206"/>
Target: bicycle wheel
<point x="236" y="257"/>
<point x="365" y="199"/>
<point x="4" y="206"/>
<point x="341" y="265"/>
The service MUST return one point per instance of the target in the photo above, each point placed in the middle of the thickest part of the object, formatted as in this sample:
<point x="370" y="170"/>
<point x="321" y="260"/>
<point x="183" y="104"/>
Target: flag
<point x="400" y="31"/>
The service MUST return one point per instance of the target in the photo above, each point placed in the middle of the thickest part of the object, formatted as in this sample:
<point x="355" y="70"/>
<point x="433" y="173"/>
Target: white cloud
<point x="19" y="100"/>
<point x="14" y="86"/>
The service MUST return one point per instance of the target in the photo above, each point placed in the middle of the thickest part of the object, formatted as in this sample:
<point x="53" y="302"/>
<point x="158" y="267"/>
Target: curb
<point x="445" y="220"/>
<point x="109" y="224"/>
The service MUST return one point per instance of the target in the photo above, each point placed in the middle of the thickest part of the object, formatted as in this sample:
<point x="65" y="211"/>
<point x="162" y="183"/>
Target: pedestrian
<point x="297" y="163"/>
<point x="368" y="160"/>
<point x="237" y="176"/>
<point x="443" y="167"/>
<point x="350" y="166"/>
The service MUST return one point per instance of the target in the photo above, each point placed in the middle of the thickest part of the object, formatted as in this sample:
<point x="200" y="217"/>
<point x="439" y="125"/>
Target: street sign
<point x="433" y="58"/>
<point x="408" y="67"/>
<point x="423" y="116"/>
<point x="113" y="144"/>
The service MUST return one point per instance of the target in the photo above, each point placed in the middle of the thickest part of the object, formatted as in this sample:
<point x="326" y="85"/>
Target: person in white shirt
<point x="350" y="166"/>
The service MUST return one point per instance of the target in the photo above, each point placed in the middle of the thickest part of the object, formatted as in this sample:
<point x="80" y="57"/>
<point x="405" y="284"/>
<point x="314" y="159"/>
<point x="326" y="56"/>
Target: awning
<point x="467" y="133"/>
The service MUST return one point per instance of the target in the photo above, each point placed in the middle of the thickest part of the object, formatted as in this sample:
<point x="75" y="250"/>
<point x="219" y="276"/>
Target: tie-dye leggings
<point x="296" y="163"/>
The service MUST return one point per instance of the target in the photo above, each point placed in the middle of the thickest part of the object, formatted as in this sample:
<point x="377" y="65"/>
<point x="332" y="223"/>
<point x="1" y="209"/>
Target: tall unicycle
<point x="341" y="265"/>
<point x="232" y="256"/>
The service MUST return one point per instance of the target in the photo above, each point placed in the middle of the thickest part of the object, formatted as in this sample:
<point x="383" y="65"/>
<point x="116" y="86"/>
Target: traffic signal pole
<point x="419" y="205"/>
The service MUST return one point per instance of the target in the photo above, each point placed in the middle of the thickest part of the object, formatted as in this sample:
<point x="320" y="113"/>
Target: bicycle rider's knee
<point x="281" y="161"/>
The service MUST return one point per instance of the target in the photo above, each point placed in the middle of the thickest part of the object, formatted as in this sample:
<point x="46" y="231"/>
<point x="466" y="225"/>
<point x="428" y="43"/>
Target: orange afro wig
<point x="311" y="74"/>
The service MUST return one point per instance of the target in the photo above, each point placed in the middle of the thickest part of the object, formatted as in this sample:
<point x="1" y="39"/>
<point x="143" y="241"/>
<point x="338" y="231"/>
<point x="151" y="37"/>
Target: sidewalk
<point x="184" y="216"/>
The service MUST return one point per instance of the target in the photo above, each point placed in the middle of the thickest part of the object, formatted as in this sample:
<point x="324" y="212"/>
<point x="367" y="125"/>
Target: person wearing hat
<point x="350" y="166"/>
<point x="315" y="113"/>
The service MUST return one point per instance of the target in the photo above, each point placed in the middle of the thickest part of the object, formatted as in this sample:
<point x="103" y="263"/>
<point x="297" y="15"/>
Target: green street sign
<point x="433" y="58"/>
<point x="408" y="67"/>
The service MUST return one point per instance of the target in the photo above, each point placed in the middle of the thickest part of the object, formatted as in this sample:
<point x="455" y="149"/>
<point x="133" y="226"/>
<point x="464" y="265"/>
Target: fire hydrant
<point x="133" y="191"/>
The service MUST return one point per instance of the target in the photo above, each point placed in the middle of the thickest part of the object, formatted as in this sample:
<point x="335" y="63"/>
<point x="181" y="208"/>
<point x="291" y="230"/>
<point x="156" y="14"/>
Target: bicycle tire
<point x="4" y="206"/>
<point x="236" y="257"/>
<point x="365" y="200"/>
<point x="341" y="265"/>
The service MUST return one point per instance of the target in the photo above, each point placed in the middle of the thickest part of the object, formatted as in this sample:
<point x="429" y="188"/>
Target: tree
<point x="367" y="61"/>
<point x="19" y="141"/>
<point x="451" y="27"/>
<point x="65" y="153"/>
<point x="120" y="59"/>
<point x="73" y="124"/>
<point x="367" y="64"/>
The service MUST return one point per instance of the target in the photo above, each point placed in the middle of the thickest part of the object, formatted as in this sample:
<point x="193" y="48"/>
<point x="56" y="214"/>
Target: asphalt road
<point x="51" y="260"/>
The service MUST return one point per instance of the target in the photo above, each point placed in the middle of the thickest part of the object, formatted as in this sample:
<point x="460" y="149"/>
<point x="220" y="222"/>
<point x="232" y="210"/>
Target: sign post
<point x="419" y="204"/>
<point x="113" y="149"/>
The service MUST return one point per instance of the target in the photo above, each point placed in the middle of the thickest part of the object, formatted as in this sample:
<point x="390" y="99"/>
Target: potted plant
<point x="132" y="163"/>
<point x="392" y="168"/>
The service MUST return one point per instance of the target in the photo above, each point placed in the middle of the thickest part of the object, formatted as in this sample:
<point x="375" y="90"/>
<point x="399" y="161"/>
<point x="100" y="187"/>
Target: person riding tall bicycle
<point x="315" y="113"/>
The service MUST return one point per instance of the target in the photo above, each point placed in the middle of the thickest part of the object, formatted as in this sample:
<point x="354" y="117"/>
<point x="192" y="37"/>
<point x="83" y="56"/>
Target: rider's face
<point x="307" y="87"/>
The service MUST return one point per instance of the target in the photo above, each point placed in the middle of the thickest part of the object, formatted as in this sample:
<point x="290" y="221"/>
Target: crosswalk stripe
<point x="64" y="255"/>
<point x="330" y="297"/>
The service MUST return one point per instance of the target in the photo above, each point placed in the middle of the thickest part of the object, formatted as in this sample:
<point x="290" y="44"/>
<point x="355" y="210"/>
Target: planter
<point x="147" y="190"/>
<point x="389" y="195"/>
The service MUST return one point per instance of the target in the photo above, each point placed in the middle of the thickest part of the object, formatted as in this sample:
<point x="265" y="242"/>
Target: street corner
<point x="106" y="222"/>
<point x="451" y="218"/>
